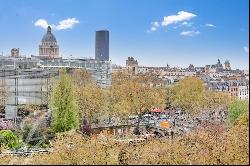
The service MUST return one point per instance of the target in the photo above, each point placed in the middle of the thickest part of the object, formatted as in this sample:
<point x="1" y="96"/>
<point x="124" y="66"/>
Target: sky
<point x="154" y="32"/>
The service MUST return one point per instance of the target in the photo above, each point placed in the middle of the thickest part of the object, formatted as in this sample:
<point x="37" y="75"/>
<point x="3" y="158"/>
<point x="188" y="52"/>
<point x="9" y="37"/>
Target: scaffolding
<point x="25" y="87"/>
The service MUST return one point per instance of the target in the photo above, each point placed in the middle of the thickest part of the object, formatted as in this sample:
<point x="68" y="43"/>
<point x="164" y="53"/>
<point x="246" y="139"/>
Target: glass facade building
<point x="102" y="45"/>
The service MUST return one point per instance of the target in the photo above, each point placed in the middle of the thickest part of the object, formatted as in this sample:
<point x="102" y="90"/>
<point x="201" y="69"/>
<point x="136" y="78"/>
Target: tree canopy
<point x="65" y="114"/>
<point x="236" y="109"/>
<point x="189" y="94"/>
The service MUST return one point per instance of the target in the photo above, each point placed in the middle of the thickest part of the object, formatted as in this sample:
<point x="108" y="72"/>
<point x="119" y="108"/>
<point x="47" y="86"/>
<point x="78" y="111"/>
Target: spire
<point x="218" y="61"/>
<point x="49" y="29"/>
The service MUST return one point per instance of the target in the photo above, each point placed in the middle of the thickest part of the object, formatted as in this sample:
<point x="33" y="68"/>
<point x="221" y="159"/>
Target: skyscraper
<point x="102" y="45"/>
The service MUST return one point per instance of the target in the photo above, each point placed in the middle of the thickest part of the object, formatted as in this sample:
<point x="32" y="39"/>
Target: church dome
<point x="49" y="37"/>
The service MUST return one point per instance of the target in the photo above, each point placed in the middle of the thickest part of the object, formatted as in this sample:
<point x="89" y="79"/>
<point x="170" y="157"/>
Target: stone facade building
<point x="132" y="65"/>
<point x="227" y="65"/>
<point x="14" y="52"/>
<point x="48" y="47"/>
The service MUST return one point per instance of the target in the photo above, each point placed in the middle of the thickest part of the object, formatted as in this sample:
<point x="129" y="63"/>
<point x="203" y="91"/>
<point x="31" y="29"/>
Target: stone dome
<point x="49" y="37"/>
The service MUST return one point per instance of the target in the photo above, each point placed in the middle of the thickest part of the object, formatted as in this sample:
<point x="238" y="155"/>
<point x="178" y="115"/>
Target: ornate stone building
<point x="132" y="65"/>
<point x="49" y="47"/>
<point x="14" y="52"/>
<point x="227" y="65"/>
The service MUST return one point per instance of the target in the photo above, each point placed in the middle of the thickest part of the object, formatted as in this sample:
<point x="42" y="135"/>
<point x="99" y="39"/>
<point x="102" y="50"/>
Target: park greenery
<point x="236" y="109"/>
<point x="9" y="139"/>
<point x="64" y="105"/>
<point x="213" y="144"/>
<point x="76" y="102"/>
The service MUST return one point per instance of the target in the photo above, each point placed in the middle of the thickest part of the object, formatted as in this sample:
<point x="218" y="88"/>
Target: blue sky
<point x="155" y="32"/>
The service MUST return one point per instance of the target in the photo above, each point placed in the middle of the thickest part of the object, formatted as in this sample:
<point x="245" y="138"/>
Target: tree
<point x="81" y="77"/>
<point x="130" y="97"/>
<point x="92" y="102"/>
<point x="120" y="77"/>
<point x="236" y="109"/>
<point x="64" y="105"/>
<point x="169" y="97"/>
<point x="216" y="99"/>
<point x="151" y="79"/>
<point x="212" y="144"/>
<point x="189" y="95"/>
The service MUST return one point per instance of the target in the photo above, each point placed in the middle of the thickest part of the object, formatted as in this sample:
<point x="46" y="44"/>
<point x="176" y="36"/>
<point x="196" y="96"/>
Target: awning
<point x="156" y="110"/>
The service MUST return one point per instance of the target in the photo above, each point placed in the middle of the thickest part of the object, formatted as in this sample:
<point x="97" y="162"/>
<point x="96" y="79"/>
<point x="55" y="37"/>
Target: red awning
<point x="156" y="110"/>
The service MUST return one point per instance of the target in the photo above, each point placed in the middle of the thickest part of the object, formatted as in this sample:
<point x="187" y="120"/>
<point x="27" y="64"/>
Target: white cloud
<point x="64" y="24"/>
<point x="67" y="23"/>
<point x="210" y="25"/>
<point x="181" y="16"/>
<point x="185" y="23"/>
<point x="246" y="49"/>
<point x="156" y="24"/>
<point x="189" y="33"/>
<point x="153" y="29"/>
<point x="42" y="23"/>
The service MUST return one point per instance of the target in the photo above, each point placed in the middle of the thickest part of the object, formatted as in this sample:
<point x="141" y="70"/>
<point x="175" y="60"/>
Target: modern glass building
<point x="99" y="70"/>
<point x="102" y="45"/>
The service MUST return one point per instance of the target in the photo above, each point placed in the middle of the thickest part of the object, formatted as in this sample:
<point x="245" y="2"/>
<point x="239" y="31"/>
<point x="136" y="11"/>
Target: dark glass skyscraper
<point x="102" y="45"/>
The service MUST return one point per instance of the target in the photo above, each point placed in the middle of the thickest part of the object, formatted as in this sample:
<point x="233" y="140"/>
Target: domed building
<point x="49" y="47"/>
<point x="227" y="65"/>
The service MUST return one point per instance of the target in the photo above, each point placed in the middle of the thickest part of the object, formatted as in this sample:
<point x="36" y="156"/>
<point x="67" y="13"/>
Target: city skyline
<point x="102" y="45"/>
<point x="176" y="33"/>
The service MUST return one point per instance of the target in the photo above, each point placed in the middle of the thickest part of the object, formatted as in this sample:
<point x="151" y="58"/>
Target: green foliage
<point x="215" y="99"/>
<point x="236" y="109"/>
<point x="9" y="139"/>
<point x="244" y="119"/>
<point x="169" y="97"/>
<point x="132" y="97"/>
<point x="33" y="135"/>
<point x="189" y="94"/>
<point x="63" y="105"/>
<point x="92" y="101"/>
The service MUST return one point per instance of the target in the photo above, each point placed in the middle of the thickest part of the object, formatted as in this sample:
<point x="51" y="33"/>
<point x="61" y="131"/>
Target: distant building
<point x="102" y="45"/>
<point x="234" y="91"/>
<point x="180" y="73"/>
<point x="117" y="68"/>
<point x="244" y="92"/>
<point x="214" y="68"/>
<point x="100" y="70"/>
<point x="132" y="65"/>
<point x="219" y="66"/>
<point x="200" y="70"/>
<point x="142" y="69"/>
<point x="49" y="47"/>
<point x="191" y="67"/>
<point x="18" y="63"/>
<point x="234" y="88"/>
<point x="227" y="65"/>
<point x="14" y="52"/>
